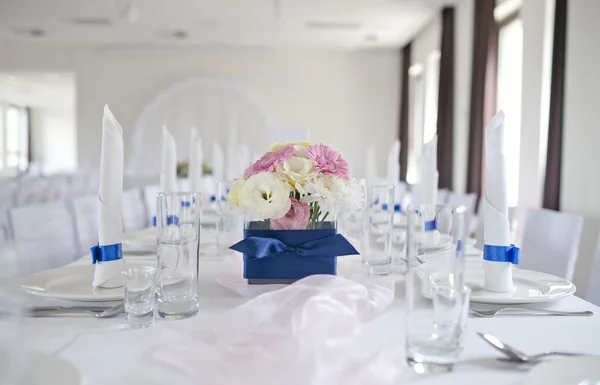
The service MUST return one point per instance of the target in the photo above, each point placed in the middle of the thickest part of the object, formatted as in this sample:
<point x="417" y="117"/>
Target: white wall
<point x="347" y="99"/>
<point x="580" y="185"/>
<point x="53" y="140"/>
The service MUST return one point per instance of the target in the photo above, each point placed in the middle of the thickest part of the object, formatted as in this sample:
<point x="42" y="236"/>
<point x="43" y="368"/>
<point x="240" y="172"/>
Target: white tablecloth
<point x="107" y="353"/>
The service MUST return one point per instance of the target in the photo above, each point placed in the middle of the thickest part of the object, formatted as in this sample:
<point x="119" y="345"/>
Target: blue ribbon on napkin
<point x="106" y="253"/>
<point x="171" y="220"/>
<point x="329" y="246"/>
<point x="430" y="225"/>
<point x="186" y="204"/>
<point x="397" y="207"/>
<point x="501" y="253"/>
<point x="213" y="198"/>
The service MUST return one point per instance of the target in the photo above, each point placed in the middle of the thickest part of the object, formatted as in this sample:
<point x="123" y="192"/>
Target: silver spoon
<point x="515" y="355"/>
<point x="495" y="312"/>
<point x="105" y="313"/>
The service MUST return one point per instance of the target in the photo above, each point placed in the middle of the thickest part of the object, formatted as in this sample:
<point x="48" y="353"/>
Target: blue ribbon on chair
<point x="106" y="253"/>
<point x="171" y="220"/>
<point x="430" y="225"/>
<point x="397" y="207"/>
<point x="501" y="253"/>
<point x="264" y="247"/>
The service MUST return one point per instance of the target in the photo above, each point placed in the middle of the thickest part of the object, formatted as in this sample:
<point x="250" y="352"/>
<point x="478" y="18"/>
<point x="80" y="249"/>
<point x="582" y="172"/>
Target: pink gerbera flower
<point x="268" y="161"/>
<point x="328" y="161"/>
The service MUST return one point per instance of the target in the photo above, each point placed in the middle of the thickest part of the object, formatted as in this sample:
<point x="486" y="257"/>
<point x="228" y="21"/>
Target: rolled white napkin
<point x="168" y="172"/>
<point x="428" y="178"/>
<point x="498" y="275"/>
<point x="110" y="197"/>
<point x="196" y="160"/>
<point x="218" y="162"/>
<point x="244" y="159"/>
<point x="393" y="164"/>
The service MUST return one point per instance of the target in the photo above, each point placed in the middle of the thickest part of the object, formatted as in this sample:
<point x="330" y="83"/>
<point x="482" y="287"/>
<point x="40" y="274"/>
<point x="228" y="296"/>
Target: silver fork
<point x="495" y="312"/>
<point x="96" y="312"/>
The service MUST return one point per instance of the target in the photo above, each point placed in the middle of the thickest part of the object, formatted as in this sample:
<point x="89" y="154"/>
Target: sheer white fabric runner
<point x="309" y="332"/>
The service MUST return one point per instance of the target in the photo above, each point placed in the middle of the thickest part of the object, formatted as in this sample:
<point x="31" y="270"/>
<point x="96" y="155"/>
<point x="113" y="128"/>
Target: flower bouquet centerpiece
<point x="292" y="197"/>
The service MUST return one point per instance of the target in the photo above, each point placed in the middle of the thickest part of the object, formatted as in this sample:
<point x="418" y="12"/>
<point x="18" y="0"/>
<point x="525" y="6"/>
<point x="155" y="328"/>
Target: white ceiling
<point x="121" y="24"/>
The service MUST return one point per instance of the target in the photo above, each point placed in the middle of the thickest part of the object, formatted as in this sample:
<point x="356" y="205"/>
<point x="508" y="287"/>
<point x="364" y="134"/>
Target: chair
<point x="57" y="188"/>
<point x="8" y="189"/>
<point x="5" y="231"/>
<point x="442" y="196"/>
<point x="44" y="235"/>
<point x="86" y="221"/>
<point x="550" y="242"/>
<point x="134" y="212"/>
<point x="150" y="201"/>
<point x="593" y="289"/>
<point x="31" y="190"/>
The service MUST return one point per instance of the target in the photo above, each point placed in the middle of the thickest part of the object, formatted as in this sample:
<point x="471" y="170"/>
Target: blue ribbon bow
<point x="171" y="220"/>
<point x="326" y="247"/>
<point x="501" y="253"/>
<point x="430" y="225"/>
<point x="397" y="207"/>
<point x="106" y="253"/>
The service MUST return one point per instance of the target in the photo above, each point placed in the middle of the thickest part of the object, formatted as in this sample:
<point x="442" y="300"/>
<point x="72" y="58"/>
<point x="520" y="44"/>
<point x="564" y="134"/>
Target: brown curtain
<point x="483" y="90"/>
<point x="404" y="111"/>
<point x="557" y="92"/>
<point x="445" y="118"/>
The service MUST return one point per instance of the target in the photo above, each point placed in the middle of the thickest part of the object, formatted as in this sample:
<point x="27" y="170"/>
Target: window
<point x="432" y="81"/>
<point x="510" y="61"/>
<point x="415" y="121"/>
<point x="14" y="137"/>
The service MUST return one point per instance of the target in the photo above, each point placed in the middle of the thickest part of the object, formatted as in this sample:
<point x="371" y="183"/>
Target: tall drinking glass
<point x="230" y="224"/>
<point x="178" y="238"/>
<point x="436" y="297"/>
<point x="376" y="237"/>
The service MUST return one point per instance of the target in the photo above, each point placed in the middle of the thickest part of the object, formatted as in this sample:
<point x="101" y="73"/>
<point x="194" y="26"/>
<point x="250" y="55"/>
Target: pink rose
<point x="295" y="219"/>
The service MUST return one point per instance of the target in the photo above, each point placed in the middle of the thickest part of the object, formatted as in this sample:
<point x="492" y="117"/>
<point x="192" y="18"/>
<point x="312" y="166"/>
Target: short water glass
<point x="140" y="285"/>
<point x="437" y="299"/>
<point x="230" y="222"/>
<point x="376" y="237"/>
<point x="178" y="238"/>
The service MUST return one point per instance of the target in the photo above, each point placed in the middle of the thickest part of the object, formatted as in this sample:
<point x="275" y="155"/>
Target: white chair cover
<point x="442" y="196"/>
<point x="31" y="190"/>
<point x="134" y="212"/>
<point x="57" y="189"/>
<point x="5" y="231"/>
<point x="86" y="221"/>
<point x="44" y="236"/>
<point x="551" y="242"/>
<point x="8" y="189"/>
<point x="593" y="289"/>
<point x="150" y="202"/>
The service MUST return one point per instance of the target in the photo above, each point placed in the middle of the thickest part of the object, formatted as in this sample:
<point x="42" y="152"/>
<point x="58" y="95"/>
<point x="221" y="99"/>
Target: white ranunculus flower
<point x="335" y="194"/>
<point x="265" y="196"/>
<point x="297" y="172"/>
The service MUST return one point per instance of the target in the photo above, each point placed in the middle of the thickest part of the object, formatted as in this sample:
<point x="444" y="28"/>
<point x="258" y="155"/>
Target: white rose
<point x="234" y="192"/>
<point x="265" y="196"/>
<point x="297" y="172"/>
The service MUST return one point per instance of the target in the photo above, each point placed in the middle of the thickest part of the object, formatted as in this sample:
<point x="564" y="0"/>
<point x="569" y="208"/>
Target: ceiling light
<point x="30" y="32"/>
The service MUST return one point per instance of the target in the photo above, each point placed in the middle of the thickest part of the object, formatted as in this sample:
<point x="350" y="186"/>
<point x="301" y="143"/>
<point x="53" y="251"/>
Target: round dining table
<point x="105" y="352"/>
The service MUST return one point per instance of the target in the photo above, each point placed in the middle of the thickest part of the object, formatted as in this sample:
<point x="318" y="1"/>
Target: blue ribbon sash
<point x="106" y="253"/>
<point x="430" y="225"/>
<point x="501" y="253"/>
<point x="291" y="254"/>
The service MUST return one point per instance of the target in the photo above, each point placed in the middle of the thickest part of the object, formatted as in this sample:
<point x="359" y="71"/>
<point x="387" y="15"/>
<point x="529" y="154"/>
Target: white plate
<point x="44" y="368"/>
<point x="568" y="371"/>
<point x="530" y="286"/>
<point x="71" y="283"/>
<point x="140" y="241"/>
